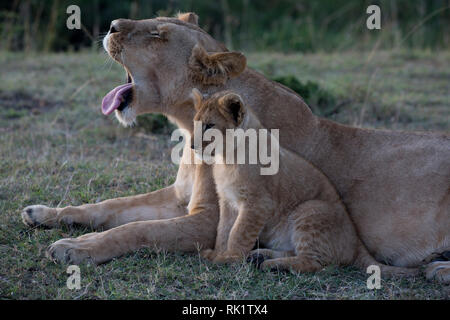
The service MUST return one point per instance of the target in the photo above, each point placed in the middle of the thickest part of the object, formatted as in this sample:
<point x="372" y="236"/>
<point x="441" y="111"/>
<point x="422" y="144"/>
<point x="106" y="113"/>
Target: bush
<point x="322" y="102"/>
<point x="154" y="123"/>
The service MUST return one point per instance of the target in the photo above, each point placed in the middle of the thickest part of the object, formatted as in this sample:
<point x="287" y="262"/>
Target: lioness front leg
<point x="188" y="234"/>
<point x="160" y="204"/>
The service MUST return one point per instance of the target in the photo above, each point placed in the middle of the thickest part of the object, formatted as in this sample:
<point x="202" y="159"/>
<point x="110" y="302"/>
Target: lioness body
<point x="396" y="185"/>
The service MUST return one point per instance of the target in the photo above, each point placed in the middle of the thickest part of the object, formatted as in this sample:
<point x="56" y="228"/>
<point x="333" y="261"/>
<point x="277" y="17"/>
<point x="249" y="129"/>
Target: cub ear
<point x="215" y="68"/>
<point x="232" y="106"/>
<point x="189" y="17"/>
<point x="197" y="98"/>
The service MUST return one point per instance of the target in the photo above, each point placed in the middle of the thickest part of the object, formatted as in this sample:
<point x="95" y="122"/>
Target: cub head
<point x="164" y="59"/>
<point x="223" y="110"/>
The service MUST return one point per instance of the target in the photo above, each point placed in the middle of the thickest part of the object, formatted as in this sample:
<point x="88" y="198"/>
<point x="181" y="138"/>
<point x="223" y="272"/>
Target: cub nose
<point x="192" y="147"/>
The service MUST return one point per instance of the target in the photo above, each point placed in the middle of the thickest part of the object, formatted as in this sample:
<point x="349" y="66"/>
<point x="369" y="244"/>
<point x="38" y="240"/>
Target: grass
<point x="57" y="149"/>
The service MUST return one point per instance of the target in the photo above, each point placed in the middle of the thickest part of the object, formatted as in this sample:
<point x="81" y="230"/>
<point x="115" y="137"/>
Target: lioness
<point x="296" y="212"/>
<point x="395" y="185"/>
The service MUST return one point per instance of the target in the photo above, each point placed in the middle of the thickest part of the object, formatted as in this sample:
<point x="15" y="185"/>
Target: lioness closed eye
<point x="296" y="214"/>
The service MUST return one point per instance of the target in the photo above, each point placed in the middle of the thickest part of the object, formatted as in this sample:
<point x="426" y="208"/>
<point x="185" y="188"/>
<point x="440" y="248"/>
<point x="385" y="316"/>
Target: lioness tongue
<point x="114" y="98"/>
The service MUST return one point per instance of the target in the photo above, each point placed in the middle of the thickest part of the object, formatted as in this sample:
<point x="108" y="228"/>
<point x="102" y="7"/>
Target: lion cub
<point x="295" y="213"/>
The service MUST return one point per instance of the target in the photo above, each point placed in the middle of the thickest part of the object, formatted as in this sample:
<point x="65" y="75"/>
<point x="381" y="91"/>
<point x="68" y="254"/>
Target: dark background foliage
<point x="278" y="25"/>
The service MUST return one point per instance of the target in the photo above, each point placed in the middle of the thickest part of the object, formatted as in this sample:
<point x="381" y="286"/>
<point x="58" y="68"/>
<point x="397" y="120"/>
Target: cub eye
<point x="209" y="126"/>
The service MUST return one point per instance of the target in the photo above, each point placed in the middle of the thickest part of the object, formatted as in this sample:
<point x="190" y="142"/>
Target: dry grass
<point x="57" y="149"/>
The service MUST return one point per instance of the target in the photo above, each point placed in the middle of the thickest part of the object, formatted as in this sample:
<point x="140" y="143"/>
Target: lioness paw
<point x="39" y="215"/>
<point x="67" y="251"/>
<point x="77" y="250"/>
<point x="438" y="270"/>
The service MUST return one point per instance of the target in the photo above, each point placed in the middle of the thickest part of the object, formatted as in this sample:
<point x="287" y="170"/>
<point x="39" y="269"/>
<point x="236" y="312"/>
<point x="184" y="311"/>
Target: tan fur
<point x="217" y="68"/>
<point x="188" y="17"/>
<point x="395" y="185"/>
<point x="296" y="212"/>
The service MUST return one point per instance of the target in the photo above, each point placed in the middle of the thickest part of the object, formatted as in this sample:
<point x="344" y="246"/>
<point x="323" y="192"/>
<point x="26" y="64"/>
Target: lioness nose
<point x="113" y="27"/>
<point x="121" y="25"/>
<point x="192" y="147"/>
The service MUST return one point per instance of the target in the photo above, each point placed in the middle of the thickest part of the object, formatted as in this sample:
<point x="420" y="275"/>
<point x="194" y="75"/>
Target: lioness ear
<point x="215" y="68"/>
<point x="232" y="105"/>
<point x="189" y="17"/>
<point x="197" y="98"/>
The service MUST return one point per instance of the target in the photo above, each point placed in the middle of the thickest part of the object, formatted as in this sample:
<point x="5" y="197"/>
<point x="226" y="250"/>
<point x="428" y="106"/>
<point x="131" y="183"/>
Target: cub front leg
<point x="227" y="218"/>
<point x="244" y="233"/>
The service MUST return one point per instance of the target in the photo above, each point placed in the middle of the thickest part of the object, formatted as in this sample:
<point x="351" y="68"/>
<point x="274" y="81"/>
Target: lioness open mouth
<point x="118" y="98"/>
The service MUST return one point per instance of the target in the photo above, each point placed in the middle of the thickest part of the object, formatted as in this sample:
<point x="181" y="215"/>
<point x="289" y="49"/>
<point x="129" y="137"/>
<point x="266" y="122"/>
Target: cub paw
<point x="256" y="258"/>
<point x="227" y="258"/>
<point x="39" y="215"/>
<point x="208" y="254"/>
